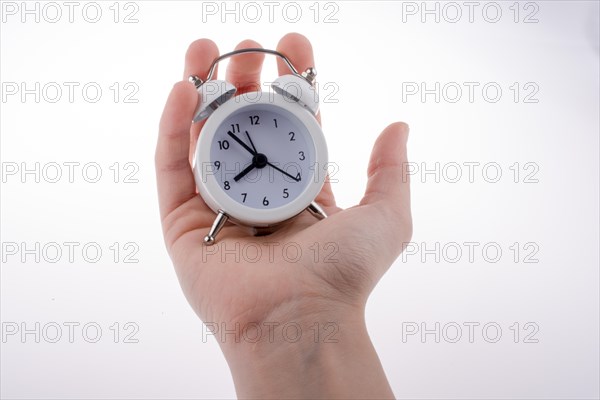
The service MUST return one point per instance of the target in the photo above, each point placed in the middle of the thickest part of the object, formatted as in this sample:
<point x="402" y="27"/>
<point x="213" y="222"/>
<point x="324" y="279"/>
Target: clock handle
<point x="309" y="75"/>
<point x="216" y="227"/>
<point x="214" y="93"/>
<point x="316" y="210"/>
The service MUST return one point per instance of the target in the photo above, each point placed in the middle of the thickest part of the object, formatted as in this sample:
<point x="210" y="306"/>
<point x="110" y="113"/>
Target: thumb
<point x="388" y="187"/>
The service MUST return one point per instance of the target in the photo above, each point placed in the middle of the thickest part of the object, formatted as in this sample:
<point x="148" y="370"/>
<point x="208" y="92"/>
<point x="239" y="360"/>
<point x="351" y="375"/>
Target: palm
<point x="244" y="278"/>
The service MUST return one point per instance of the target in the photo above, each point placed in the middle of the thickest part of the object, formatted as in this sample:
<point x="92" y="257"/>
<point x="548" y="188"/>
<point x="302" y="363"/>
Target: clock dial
<point x="262" y="156"/>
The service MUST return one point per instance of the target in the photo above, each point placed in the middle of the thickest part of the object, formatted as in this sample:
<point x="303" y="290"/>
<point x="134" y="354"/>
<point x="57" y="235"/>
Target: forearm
<point x="330" y="358"/>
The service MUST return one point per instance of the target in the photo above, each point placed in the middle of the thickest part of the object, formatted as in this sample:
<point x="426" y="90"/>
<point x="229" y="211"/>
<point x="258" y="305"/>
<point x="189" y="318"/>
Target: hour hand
<point x="245" y="172"/>
<point x="244" y="145"/>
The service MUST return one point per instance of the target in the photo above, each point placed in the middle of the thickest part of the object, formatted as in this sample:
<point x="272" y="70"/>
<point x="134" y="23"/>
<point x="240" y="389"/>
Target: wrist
<point x="324" y="354"/>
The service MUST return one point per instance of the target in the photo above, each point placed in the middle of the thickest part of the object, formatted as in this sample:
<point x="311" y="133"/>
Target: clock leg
<point x="316" y="210"/>
<point x="216" y="228"/>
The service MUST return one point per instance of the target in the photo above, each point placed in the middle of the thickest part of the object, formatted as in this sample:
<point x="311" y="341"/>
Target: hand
<point x="235" y="292"/>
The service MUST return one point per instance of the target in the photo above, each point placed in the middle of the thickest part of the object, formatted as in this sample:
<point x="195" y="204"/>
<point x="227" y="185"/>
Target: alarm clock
<point x="261" y="157"/>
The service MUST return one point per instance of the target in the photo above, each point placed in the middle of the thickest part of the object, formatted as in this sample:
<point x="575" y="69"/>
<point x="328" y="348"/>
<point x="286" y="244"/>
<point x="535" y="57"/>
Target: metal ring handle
<point x="309" y="75"/>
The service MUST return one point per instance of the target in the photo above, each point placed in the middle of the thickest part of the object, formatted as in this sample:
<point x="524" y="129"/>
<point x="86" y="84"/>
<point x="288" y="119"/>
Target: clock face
<point x="262" y="156"/>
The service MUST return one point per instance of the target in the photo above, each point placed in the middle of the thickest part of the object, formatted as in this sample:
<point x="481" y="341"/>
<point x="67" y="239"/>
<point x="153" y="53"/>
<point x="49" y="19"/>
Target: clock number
<point x="218" y="165"/>
<point x="245" y="195"/>
<point x="301" y="154"/>
<point x="275" y="119"/>
<point x="235" y="128"/>
<point x="285" y="193"/>
<point x="226" y="185"/>
<point x="223" y="144"/>
<point x="298" y="178"/>
<point x="292" y="134"/>
<point x="254" y="120"/>
<point x="265" y="201"/>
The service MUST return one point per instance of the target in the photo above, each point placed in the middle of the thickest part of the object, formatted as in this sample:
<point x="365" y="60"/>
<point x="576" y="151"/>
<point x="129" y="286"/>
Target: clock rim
<point x="216" y="198"/>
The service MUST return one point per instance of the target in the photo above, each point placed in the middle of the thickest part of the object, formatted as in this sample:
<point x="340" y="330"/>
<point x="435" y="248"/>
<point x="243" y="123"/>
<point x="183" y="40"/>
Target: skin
<point x="323" y="294"/>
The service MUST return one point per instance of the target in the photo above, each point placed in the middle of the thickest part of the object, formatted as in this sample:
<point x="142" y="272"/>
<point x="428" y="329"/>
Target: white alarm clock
<point x="261" y="157"/>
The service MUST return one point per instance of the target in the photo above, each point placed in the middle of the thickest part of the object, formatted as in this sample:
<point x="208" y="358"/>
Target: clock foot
<point x="216" y="228"/>
<point x="316" y="210"/>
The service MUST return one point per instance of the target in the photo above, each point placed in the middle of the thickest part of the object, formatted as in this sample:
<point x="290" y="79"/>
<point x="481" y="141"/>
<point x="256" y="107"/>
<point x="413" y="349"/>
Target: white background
<point x="371" y="51"/>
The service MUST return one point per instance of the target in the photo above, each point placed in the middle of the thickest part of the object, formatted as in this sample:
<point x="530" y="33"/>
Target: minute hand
<point x="283" y="172"/>
<point x="237" y="139"/>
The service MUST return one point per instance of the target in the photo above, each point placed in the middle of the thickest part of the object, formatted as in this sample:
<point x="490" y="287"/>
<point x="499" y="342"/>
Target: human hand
<point x="231" y="291"/>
